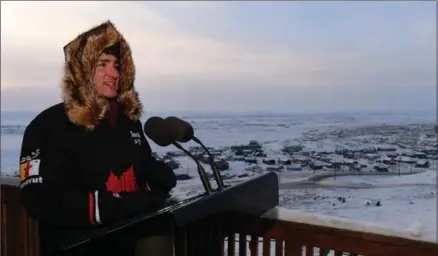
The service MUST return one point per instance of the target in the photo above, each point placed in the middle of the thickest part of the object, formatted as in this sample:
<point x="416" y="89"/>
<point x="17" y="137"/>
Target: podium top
<point x="246" y="197"/>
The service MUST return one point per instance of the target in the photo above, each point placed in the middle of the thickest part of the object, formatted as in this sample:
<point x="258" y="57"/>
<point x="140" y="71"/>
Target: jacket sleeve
<point x="155" y="174"/>
<point x="48" y="197"/>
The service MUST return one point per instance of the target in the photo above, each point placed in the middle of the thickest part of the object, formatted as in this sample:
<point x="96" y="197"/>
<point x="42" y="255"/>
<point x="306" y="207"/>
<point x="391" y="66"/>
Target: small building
<point x="254" y="168"/>
<point x="422" y="164"/>
<point x="251" y="160"/>
<point x="277" y="168"/>
<point x="222" y="164"/>
<point x="294" y="167"/>
<point x="392" y="155"/>
<point x="284" y="161"/>
<point x="182" y="176"/>
<point x="292" y="149"/>
<point x="259" y="154"/>
<point x="371" y="156"/>
<point x="383" y="148"/>
<point x="239" y="158"/>
<point x="406" y="160"/>
<point x="381" y="168"/>
<point x="316" y="165"/>
<point x="268" y="161"/>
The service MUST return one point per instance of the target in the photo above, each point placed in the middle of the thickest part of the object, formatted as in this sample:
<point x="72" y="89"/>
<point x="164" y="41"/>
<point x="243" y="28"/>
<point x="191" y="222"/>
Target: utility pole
<point x="334" y="171"/>
<point x="398" y="163"/>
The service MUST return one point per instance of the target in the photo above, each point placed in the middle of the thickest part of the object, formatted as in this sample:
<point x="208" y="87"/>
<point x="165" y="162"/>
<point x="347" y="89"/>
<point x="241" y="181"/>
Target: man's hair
<point x="113" y="50"/>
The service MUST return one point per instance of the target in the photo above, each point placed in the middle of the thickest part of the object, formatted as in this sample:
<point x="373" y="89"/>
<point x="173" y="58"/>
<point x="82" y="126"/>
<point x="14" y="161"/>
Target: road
<point x="312" y="181"/>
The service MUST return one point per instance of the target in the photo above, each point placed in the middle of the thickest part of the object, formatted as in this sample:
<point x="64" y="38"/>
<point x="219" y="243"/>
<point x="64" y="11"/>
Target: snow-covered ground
<point x="425" y="178"/>
<point x="406" y="201"/>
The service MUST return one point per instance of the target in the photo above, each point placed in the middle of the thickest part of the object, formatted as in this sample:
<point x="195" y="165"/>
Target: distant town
<point x="382" y="148"/>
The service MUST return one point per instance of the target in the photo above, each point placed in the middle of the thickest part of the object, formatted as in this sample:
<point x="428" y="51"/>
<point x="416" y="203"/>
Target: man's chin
<point x="108" y="97"/>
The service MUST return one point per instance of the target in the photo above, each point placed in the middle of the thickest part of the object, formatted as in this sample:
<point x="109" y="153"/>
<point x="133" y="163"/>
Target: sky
<point x="285" y="57"/>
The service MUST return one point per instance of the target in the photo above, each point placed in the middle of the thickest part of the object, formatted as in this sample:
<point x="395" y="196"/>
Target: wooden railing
<point x="231" y="234"/>
<point x="19" y="233"/>
<point x="261" y="236"/>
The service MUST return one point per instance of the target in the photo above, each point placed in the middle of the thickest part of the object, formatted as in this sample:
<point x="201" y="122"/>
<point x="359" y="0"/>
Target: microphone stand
<point x="201" y="170"/>
<point x="216" y="172"/>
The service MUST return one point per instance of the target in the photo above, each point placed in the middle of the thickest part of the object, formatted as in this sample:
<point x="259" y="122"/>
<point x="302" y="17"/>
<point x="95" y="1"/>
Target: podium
<point x="254" y="196"/>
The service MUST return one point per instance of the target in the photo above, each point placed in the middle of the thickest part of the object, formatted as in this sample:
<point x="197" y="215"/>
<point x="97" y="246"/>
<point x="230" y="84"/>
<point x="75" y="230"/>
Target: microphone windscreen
<point x="158" y="131"/>
<point x="182" y="130"/>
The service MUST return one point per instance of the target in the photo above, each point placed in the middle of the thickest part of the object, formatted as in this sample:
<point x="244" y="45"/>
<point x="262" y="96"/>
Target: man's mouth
<point x="110" y="84"/>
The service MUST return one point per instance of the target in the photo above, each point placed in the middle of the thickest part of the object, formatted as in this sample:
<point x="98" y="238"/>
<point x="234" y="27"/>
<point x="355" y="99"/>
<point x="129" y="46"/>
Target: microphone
<point x="183" y="132"/>
<point x="159" y="132"/>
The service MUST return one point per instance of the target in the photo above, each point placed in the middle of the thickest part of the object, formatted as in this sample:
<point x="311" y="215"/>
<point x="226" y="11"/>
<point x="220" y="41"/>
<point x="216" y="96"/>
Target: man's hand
<point x="160" y="176"/>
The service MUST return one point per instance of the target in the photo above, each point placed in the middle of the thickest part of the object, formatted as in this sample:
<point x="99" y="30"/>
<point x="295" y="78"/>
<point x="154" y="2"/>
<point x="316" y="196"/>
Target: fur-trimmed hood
<point x="83" y="107"/>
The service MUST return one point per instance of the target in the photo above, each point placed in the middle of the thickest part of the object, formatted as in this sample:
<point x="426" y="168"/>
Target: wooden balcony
<point x="278" y="232"/>
<point x="312" y="234"/>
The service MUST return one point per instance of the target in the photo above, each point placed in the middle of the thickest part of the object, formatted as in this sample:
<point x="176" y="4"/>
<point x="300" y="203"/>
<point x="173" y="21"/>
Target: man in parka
<point x="85" y="162"/>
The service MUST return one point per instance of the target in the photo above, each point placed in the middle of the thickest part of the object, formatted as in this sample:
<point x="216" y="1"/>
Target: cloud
<point x="172" y="60"/>
<point x="159" y="50"/>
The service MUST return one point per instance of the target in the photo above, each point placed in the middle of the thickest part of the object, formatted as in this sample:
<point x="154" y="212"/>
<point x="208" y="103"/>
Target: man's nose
<point x="113" y="72"/>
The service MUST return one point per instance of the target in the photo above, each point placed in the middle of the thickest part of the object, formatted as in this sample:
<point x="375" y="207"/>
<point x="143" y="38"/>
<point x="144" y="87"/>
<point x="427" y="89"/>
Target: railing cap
<point x="289" y="215"/>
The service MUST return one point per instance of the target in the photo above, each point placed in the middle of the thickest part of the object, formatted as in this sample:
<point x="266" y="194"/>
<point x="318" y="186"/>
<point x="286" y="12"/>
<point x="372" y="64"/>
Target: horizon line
<point x="258" y="112"/>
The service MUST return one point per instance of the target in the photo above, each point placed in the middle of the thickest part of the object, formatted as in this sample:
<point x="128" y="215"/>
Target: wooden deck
<point x="232" y="234"/>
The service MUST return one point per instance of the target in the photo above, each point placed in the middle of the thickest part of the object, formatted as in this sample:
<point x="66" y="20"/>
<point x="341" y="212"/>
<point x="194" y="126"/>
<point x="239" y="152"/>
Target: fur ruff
<point x="83" y="107"/>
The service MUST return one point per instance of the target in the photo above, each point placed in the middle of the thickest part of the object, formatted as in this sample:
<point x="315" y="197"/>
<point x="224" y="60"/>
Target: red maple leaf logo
<point x="125" y="183"/>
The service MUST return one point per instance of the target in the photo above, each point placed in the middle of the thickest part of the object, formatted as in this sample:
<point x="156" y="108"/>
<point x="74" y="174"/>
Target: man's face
<point x="106" y="76"/>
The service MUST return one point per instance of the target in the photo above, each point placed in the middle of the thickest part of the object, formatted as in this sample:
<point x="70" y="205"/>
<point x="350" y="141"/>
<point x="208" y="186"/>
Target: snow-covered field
<point x="406" y="202"/>
<point x="425" y="178"/>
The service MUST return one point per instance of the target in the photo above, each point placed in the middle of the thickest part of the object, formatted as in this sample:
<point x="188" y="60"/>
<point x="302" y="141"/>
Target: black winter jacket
<point x="73" y="178"/>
